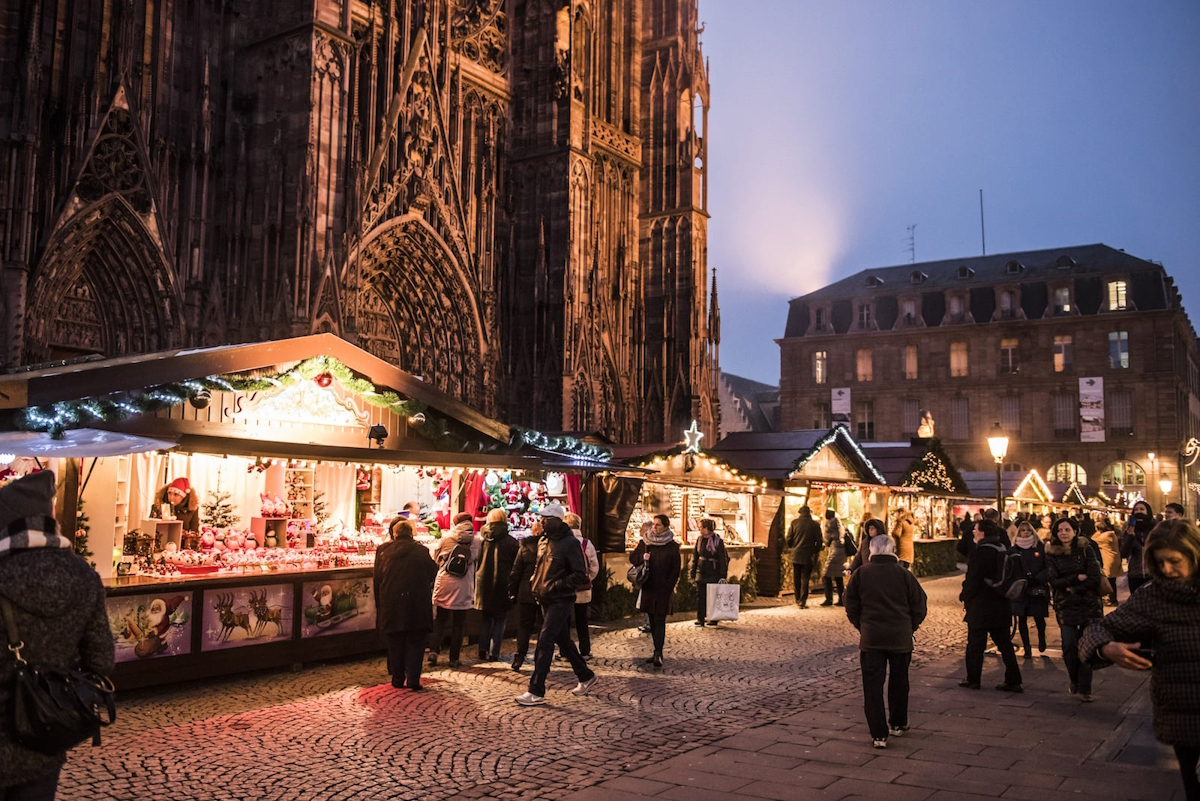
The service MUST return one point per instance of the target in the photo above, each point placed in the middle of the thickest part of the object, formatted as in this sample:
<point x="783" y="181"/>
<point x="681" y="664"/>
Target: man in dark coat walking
<point x="497" y="553"/>
<point x="404" y="574"/>
<point x="988" y="613"/>
<point x="887" y="605"/>
<point x="804" y="540"/>
<point x="560" y="569"/>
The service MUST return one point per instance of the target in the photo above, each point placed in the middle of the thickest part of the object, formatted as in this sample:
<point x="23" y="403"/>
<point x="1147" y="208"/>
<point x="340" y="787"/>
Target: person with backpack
<point x="456" y="555"/>
<point x="583" y="593"/>
<point x="835" y="559"/>
<point x="988" y="609"/>
<point x="710" y="565"/>
<point x="497" y="552"/>
<point x="1075" y="581"/>
<point x="804" y="540"/>
<point x="1035" y="601"/>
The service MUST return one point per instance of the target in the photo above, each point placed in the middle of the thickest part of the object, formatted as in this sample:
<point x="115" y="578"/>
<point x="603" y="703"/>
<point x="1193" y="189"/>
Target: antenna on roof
<point x="982" y="234"/>
<point x="912" y="244"/>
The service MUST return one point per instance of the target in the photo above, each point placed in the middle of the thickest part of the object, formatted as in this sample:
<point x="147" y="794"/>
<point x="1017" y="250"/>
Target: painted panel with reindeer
<point x="337" y="607"/>
<point x="247" y="616"/>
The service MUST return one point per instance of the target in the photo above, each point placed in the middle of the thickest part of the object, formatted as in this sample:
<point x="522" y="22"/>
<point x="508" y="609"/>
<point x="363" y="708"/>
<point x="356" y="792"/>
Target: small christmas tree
<point x="82" y="529"/>
<point x="318" y="505"/>
<point x="217" y="509"/>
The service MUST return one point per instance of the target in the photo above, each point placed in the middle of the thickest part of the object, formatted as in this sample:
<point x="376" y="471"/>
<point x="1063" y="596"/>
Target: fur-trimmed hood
<point x="1054" y="547"/>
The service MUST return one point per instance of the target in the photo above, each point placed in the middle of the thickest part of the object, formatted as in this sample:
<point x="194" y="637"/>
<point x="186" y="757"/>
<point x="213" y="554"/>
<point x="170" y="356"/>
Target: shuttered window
<point x="1066" y="413"/>
<point x="910" y="417"/>
<point x="1120" y="413"/>
<point x="960" y="417"/>
<point x="1010" y="413"/>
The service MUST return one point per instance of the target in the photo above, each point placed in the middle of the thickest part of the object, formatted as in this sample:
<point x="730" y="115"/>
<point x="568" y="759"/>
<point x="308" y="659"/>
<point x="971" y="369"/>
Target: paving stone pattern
<point x="768" y="707"/>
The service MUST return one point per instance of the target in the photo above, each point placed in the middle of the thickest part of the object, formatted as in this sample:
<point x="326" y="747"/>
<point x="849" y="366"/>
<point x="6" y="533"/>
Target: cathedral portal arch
<point x="103" y="285"/>
<point x="419" y="310"/>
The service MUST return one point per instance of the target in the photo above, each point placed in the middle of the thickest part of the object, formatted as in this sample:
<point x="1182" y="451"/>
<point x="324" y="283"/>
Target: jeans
<point x="977" y="637"/>
<point x="803" y="578"/>
<point x="658" y="632"/>
<point x="457" y="618"/>
<point x="556" y="630"/>
<point x="526" y="620"/>
<point x="1188" y="756"/>
<point x="404" y="652"/>
<point x="491" y="633"/>
<point x="875" y="666"/>
<point x="37" y="790"/>
<point x="1079" y="671"/>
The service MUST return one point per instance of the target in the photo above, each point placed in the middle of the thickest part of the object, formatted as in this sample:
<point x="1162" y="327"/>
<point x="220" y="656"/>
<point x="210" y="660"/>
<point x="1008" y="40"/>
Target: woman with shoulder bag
<point x="710" y="565"/>
<point x="1035" y="602"/>
<point x="660" y="550"/>
<point x="1075" y="582"/>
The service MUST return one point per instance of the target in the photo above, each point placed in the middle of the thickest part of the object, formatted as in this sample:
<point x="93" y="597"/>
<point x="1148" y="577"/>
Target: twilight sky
<point x="836" y="124"/>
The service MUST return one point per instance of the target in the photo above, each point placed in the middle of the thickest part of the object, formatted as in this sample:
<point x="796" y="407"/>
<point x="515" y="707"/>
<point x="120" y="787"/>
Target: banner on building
<point x="839" y="406"/>
<point x="1091" y="409"/>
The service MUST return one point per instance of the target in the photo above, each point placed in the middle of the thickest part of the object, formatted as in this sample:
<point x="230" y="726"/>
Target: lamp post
<point x="998" y="445"/>
<point x="1165" y="485"/>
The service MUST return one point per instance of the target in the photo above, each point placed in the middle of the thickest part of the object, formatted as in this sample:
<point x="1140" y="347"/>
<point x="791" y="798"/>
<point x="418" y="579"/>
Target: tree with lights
<point x="218" y="510"/>
<point x="82" y="529"/>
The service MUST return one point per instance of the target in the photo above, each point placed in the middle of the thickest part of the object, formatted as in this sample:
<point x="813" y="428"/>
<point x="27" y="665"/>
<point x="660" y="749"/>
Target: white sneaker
<point x="582" y="687"/>
<point x="880" y="743"/>
<point x="898" y="731"/>
<point x="529" y="699"/>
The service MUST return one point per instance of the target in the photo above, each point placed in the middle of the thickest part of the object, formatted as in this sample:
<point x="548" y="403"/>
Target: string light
<point x="835" y="434"/>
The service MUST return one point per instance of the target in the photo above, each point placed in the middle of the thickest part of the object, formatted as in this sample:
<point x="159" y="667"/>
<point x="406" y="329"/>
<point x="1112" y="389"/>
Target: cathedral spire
<point x="714" y="312"/>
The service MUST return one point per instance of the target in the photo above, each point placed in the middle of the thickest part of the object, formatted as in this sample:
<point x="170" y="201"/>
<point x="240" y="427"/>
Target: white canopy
<point x="78" y="443"/>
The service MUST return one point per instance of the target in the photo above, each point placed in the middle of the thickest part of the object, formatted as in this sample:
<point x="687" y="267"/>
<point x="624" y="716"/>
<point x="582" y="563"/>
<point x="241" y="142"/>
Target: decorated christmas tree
<point x="82" y="529"/>
<point x="217" y="511"/>
<point x="320" y="512"/>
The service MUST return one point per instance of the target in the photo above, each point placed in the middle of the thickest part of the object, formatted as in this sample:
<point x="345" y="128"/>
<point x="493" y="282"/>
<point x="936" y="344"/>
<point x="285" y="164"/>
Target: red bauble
<point x="324" y="380"/>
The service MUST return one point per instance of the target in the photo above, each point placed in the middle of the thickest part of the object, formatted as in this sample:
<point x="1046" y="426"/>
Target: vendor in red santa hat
<point x="181" y="496"/>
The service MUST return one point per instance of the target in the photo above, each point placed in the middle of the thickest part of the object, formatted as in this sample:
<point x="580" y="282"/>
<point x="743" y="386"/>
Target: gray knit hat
<point x="30" y="496"/>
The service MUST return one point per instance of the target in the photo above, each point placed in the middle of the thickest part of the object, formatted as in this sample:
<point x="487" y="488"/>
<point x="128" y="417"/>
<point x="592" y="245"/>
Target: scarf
<point x="657" y="538"/>
<point x="708" y="543"/>
<point x="1028" y="541"/>
<point x="27" y="533"/>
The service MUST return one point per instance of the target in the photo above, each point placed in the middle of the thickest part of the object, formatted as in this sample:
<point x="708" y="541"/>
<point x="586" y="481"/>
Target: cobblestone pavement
<point x="767" y="707"/>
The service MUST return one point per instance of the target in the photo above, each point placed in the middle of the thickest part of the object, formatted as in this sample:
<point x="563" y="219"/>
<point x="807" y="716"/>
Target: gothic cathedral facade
<point x="506" y="197"/>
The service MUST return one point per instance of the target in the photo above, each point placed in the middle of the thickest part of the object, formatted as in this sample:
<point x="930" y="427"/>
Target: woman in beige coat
<point x="903" y="533"/>
<point x="1110" y="556"/>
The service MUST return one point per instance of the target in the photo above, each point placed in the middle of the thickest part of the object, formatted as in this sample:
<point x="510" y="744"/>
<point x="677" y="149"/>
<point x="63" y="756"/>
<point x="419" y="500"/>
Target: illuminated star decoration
<point x="693" y="436"/>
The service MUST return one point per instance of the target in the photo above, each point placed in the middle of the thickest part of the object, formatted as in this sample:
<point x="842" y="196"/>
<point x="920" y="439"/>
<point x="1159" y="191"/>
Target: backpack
<point x="460" y="558"/>
<point x="1010" y="581"/>
<point x="587" y="585"/>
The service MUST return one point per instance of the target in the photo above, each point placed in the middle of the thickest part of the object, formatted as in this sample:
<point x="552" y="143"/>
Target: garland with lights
<point x="690" y="457"/>
<point x="839" y="433"/>
<point x="934" y="471"/>
<point x="559" y="444"/>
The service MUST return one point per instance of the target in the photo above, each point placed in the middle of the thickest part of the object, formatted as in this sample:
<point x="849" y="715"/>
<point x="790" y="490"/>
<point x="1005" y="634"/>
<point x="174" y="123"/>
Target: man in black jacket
<point x="404" y="574"/>
<point x="988" y="613"/>
<point x="560" y="569"/>
<point x="887" y="605"/>
<point x="804" y="539"/>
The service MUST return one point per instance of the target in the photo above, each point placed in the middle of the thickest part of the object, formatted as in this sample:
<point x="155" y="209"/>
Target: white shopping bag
<point x="723" y="601"/>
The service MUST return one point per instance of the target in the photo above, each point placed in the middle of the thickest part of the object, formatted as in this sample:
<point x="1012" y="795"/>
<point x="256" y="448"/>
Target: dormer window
<point x="1117" y="298"/>
<point x="1014" y="267"/>
<point x="874" y="280"/>
<point x="819" y="320"/>
<point x="965" y="272"/>
<point x="1064" y="262"/>
<point x="917" y="277"/>
<point x="956" y="309"/>
<point x="1008" y="304"/>
<point x="909" y="310"/>
<point x="864" y="315"/>
<point x="1062" y="300"/>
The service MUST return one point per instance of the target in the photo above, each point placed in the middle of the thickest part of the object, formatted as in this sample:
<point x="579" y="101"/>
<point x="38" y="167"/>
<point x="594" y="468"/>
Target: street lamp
<point x="998" y="445"/>
<point x="1165" y="485"/>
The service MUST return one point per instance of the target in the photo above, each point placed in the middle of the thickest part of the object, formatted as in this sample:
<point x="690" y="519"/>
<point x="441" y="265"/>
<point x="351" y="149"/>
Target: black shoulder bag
<point x="53" y="709"/>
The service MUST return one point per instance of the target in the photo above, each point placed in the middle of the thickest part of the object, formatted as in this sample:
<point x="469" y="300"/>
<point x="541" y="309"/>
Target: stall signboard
<point x="337" y="607"/>
<point x="150" y="625"/>
<point x="247" y="616"/>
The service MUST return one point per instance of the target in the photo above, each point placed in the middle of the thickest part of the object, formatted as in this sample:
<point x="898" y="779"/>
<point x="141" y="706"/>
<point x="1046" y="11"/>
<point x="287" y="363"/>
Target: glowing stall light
<point x="691" y="439"/>
<point x="7" y="459"/>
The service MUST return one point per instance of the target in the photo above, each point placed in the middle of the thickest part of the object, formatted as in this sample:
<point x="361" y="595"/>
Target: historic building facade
<point x="1084" y="355"/>
<point x="503" y="196"/>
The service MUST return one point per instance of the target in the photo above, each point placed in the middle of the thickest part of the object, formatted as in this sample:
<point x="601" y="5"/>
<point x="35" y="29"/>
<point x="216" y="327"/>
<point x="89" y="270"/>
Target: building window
<point x="1120" y="413"/>
<point x="910" y="311"/>
<point x="1010" y="413"/>
<point x="958" y="359"/>
<point x="1064" y="358"/>
<point x="1009" y="362"/>
<point x="866" y="366"/>
<point x="1062" y="300"/>
<point x="820" y="367"/>
<point x="1008" y="306"/>
<point x="1116" y="296"/>
<point x="1118" y="350"/>
<point x="910" y="417"/>
<point x="956" y="309"/>
<point x="1123" y="474"/>
<point x="819" y="320"/>
<point x="910" y="362"/>
<point x="864" y="315"/>
<point x="960" y="418"/>
<point x="1065" y="473"/>
<point x="821" y="416"/>
<point x="1066" y="413"/>
<point x="864" y="421"/>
